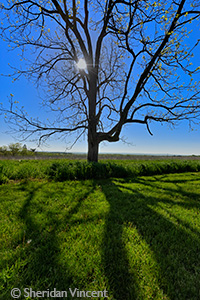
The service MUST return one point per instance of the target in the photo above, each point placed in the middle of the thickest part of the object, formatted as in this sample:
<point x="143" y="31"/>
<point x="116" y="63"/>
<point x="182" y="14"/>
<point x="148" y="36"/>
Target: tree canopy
<point x="104" y="64"/>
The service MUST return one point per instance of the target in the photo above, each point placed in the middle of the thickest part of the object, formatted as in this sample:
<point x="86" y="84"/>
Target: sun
<point x="81" y="64"/>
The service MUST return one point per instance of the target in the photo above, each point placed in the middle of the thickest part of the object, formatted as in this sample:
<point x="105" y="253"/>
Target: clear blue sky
<point x="179" y="141"/>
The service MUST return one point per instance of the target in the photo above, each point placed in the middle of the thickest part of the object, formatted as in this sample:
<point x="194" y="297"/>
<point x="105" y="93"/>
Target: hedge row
<point x="84" y="170"/>
<point x="79" y="170"/>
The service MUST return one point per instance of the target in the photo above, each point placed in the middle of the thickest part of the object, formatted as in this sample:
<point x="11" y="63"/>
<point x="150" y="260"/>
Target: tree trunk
<point x="93" y="144"/>
<point x="93" y="151"/>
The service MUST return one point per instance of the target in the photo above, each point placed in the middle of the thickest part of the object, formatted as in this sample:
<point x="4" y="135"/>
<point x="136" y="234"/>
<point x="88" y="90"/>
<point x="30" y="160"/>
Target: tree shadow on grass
<point x="37" y="261"/>
<point x="173" y="243"/>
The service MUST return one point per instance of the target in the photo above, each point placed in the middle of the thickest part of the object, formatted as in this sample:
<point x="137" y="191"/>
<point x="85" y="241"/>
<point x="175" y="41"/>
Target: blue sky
<point x="165" y="140"/>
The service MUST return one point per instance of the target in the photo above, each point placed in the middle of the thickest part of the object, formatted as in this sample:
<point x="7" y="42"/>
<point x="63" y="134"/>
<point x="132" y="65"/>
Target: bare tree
<point x="135" y="64"/>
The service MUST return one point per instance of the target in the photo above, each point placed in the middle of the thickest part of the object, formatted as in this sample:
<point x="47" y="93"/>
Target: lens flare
<point x="81" y="64"/>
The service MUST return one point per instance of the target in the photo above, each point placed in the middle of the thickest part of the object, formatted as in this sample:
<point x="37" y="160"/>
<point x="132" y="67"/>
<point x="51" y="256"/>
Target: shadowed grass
<point x="136" y="238"/>
<point x="153" y="227"/>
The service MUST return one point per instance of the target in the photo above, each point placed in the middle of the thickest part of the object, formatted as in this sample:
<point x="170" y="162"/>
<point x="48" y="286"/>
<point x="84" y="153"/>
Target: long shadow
<point x="175" y="248"/>
<point x="39" y="245"/>
<point x="121" y="282"/>
<point x="192" y="199"/>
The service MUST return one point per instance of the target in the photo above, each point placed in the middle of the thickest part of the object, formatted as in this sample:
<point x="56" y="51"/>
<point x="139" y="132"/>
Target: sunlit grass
<point x="136" y="238"/>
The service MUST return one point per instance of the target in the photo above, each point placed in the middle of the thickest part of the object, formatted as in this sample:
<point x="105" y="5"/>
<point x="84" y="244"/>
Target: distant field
<point x="138" y="238"/>
<point x="74" y="156"/>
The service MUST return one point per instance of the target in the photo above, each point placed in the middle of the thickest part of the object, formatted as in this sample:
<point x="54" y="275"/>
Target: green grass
<point x="64" y="169"/>
<point x="136" y="238"/>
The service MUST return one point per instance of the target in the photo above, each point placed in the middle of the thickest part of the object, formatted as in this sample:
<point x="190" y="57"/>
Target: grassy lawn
<point x="136" y="238"/>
